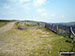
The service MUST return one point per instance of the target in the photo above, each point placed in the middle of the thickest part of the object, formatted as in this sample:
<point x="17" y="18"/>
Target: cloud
<point x="41" y="10"/>
<point x="53" y="14"/>
<point x="23" y="5"/>
<point x="44" y="14"/>
<point x="34" y="3"/>
<point x="12" y="0"/>
<point x="37" y="3"/>
<point x="6" y="6"/>
<point x="12" y="11"/>
<point x="27" y="4"/>
<point x="26" y="7"/>
<point x="22" y="1"/>
<point x="62" y="16"/>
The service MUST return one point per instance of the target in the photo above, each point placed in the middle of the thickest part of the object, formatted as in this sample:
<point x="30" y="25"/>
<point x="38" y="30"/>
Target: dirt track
<point x="7" y="27"/>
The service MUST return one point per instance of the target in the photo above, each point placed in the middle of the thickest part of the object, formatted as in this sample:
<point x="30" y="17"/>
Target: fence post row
<point x="70" y="33"/>
<point x="55" y="28"/>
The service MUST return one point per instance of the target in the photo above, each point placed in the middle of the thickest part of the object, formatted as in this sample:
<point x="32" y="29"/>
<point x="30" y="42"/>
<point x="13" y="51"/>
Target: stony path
<point x="6" y="27"/>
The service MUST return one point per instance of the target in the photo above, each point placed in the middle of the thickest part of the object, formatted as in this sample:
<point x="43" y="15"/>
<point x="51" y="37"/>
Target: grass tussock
<point x="29" y="43"/>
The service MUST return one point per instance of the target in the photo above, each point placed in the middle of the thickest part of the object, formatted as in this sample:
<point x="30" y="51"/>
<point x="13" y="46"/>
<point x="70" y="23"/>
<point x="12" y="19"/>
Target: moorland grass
<point x="29" y="43"/>
<point x="3" y="23"/>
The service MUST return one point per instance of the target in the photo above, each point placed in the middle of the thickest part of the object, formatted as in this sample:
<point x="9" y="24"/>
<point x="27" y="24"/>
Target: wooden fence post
<point x="70" y="33"/>
<point x="45" y="25"/>
<point x="57" y="28"/>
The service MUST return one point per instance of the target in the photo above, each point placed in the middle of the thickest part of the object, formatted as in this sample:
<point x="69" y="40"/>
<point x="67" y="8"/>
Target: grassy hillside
<point x="37" y="42"/>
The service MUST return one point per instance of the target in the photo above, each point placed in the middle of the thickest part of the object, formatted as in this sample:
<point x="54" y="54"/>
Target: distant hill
<point x="6" y="20"/>
<point x="69" y="23"/>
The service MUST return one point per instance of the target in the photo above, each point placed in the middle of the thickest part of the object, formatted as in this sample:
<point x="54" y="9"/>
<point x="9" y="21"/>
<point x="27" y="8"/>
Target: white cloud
<point x="22" y="1"/>
<point x="62" y="16"/>
<point x="6" y="6"/>
<point x="27" y="4"/>
<point x="12" y="0"/>
<point x="26" y="7"/>
<point x="44" y="14"/>
<point x="26" y="0"/>
<point x="23" y="5"/>
<point x="37" y="3"/>
<point x="53" y="14"/>
<point x="12" y="11"/>
<point x="41" y="10"/>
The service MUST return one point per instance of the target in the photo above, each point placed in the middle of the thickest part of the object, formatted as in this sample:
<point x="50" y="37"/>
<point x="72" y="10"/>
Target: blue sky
<point x="38" y="10"/>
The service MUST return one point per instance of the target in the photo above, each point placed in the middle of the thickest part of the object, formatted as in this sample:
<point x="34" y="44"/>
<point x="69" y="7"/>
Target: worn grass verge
<point x="29" y="43"/>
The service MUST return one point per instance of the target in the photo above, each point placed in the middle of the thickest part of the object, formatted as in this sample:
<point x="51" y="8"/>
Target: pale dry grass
<point x="23" y="43"/>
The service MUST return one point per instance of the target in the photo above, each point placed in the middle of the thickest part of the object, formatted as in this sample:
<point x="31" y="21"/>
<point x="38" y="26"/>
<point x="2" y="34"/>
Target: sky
<point x="52" y="11"/>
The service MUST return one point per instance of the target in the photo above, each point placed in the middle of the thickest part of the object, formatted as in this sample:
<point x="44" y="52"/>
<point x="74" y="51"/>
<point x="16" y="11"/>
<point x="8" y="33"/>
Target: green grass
<point x="60" y="44"/>
<point x="29" y="43"/>
<point x="31" y="25"/>
<point x="3" y="23"/>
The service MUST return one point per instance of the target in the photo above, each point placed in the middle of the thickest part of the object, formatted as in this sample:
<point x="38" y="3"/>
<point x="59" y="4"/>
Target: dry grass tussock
<point x="24" y="43"/>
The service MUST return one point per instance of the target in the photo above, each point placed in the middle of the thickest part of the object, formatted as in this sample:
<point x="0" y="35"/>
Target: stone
<point x="68" y="41"/>
<point x="46" y="36"/>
